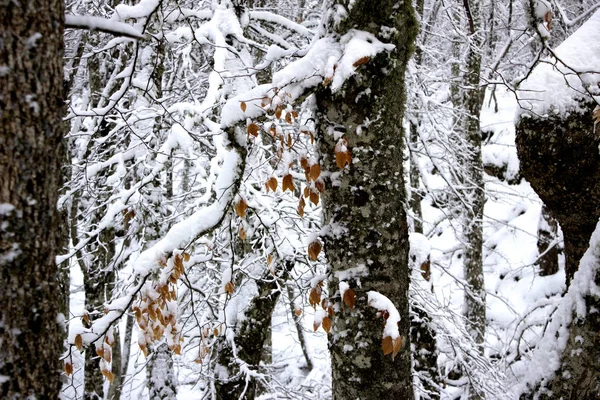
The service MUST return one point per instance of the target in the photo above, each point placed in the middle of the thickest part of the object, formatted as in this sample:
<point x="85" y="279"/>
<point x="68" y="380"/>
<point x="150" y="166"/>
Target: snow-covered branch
<point x="103" y="25"/>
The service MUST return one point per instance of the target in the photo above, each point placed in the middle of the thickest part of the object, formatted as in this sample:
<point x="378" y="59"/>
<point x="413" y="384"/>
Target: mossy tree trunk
<point x="559" y="157"/>
<point x="32" y="153"/>
<point x="367" y="203"/>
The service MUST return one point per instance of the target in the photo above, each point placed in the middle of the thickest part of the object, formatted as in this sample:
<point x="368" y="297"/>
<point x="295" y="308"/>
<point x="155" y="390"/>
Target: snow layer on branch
<point x="327" y="58"/>
<point x="420" y="248"/>
<point x="558" y="84"/>
<point x="547" y="355"/>
<point x="141" y="10"/>
<point x="102" y="24"/>
<point x="278" y="19"/>
<point x="382" y="303"/>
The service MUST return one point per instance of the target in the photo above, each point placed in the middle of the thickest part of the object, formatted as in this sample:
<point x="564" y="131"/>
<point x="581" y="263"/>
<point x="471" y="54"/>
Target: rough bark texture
<point x="367" y="202"/>
<point x="160" y="375"/>
<point x="473" y="192"/>
<point x="250" y="338"/>
<point x="547" y="233"/>
<point x="559" y="157"/>
<point x="421" y="336"/>
<point x="32" y="152"/>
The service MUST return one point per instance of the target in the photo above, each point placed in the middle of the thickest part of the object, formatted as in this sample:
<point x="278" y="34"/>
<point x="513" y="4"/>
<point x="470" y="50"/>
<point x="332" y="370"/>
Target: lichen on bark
<point x="560" y="157"/>
<point x="366" y="200"/>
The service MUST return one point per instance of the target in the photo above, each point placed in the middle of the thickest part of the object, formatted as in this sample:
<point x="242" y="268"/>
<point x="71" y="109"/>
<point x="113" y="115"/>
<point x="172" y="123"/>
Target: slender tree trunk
<point x="299" y="329"/>
<point x="32" y="152"/>
<point x="250" y="337"/>
<point x="367" y="202"/>
<point x="159" y="373"/>
<point x="114" y="390"/>
<point x="547" y="233"/>
<point x="422" y="337"/>
<point x="474" y="194"/>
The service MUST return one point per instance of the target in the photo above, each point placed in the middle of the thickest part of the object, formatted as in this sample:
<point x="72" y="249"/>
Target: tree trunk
<point x="159" y="373"/>
<point x="250" y="337"/>
<point x="422" y="337"/>
<point x="367" y="202"/>
<point x="474" y="192"/>
<point x="32" y="152"/>
<point x="559" y="157"/>
<point x="547" y="233"/>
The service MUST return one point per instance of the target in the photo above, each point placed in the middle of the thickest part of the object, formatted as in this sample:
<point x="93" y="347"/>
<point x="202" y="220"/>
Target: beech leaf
<point x="315" y="171"/>
<point x="349" y="298"/>
<point x="313" y="250"/>
<point x="240" y="208"/>
<point x="387" y="346"/>
<point x="253" y="129"/>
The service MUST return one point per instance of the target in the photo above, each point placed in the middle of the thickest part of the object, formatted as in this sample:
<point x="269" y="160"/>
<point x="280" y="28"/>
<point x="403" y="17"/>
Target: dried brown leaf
<point x="288" y="183"/>
<point x="315" y="171"/>
<point x="361" y="61"/>
<point x="387" y="345"/>
<point x="240" y="208"/>
<point x="78" y="342"/>
<point x="313" y="250"/>
<point x="253" y="129"/>
<point x="68" y="368"/>
<point x="349" y="298"/>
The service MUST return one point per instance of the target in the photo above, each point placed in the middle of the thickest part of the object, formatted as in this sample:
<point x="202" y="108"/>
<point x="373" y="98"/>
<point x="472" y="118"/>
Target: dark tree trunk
<point x="547" y="232"/>
<point x="421" y="336"/>
<point x="32" y="152"/>
<point x="559" y="157"/>
<point x="368" y="202"/>
<point x="250" y="338"/>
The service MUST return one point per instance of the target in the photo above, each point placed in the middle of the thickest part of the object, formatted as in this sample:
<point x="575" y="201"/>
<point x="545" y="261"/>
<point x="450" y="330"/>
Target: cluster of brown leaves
<point x="103" y="350"/>
<point x="152" y="313"/>
<point x="391" y="346"/>
<point x="316" y="298"/>
<point x="207" y="337"/>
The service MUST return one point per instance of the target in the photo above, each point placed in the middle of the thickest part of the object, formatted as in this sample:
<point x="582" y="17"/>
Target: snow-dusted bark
<point x="367" y="232"/>
<point x="547" y="243"/>
<point x="557" y="143"/>
<point x="160" y="376"/>
<point x="32" y="153"/>
<point x="472" y="181"/>
<point x="241" y="351"/>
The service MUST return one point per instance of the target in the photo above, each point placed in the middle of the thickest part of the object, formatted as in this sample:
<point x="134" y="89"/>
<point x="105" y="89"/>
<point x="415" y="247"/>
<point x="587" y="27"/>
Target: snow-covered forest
<point x="300" y="199"/>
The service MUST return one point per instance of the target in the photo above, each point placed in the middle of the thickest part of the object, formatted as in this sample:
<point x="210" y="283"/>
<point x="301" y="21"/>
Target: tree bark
<point x="547" y="233"/>
<point x="159" y="373"/>
<point x="250" y="337"/>
<point x="474" y="192"/>
<point x="559" y="157"/>
<point x="32" y="152"/>
<point x="367" y="202"/>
